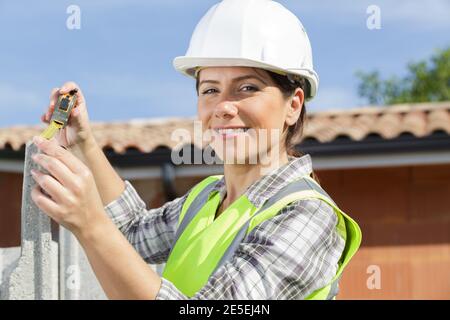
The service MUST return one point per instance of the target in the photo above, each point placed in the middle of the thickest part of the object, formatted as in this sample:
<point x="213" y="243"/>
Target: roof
<point x="145" y="135"/>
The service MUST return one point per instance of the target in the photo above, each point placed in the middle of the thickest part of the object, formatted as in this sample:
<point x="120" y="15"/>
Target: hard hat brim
<point x="188" y="66"/>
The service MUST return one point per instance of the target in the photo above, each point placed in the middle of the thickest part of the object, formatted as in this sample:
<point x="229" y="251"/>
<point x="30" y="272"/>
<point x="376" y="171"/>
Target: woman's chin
<point x="232" y="156"/>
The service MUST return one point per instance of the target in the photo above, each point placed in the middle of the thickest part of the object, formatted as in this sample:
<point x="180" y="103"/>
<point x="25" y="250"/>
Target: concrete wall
<point x="35" y="274"/>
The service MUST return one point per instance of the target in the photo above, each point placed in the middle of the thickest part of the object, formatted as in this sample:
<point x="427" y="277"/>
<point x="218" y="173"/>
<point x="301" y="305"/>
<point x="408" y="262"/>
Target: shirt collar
<point x="269" y="184"/>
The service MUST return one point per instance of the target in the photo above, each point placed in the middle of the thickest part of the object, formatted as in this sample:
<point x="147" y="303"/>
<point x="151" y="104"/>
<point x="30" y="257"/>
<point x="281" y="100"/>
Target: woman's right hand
<point x="77" y="130"/>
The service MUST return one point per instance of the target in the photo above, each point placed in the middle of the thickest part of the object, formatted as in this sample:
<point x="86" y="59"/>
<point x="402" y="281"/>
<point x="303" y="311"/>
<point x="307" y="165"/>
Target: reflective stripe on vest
<point x="202" y="244"/>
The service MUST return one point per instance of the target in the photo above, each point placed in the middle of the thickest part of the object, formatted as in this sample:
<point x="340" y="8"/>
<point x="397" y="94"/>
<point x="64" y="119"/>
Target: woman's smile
<point x="228" y="133"/>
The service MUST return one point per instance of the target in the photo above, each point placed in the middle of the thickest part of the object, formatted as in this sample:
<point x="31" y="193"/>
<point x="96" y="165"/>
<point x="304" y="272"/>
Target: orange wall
<point x="406" y="272"/>
<point x="404" y="214"/>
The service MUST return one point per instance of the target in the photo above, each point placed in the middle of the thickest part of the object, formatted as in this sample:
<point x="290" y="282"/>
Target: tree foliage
<point x="424" y="81"/>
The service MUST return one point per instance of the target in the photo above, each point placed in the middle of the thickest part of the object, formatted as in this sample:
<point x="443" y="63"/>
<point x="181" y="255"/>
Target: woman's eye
<point x="249" y="88"/>
<point x="244" y="88"/>
<point x="209" y="91"/>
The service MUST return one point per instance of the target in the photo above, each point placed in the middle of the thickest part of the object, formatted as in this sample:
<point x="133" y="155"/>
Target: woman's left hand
<point x="74" y="201"/>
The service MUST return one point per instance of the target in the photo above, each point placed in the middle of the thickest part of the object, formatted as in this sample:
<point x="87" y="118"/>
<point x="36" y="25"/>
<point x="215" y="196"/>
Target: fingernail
<point x="38" y="140"/>
<point x="33" y="172"/>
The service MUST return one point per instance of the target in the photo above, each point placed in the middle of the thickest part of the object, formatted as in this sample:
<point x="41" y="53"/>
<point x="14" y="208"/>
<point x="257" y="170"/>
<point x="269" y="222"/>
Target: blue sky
<point x="122" y="55"/>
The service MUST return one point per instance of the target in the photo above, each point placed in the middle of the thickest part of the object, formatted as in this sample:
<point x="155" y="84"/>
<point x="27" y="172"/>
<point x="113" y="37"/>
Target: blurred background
<point x="122" y="54"/>
<point x="378" y="130"/>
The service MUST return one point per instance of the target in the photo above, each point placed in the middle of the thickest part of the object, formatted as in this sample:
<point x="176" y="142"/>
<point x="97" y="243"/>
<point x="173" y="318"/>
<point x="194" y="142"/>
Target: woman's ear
<point x="295" y="107"/>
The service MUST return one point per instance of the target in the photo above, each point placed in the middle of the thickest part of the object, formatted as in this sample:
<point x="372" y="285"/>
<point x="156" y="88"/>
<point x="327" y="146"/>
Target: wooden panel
<point x="184" y="184"/>
<point x="411" y="233"/>
<point x="430" y="193"/>
<point x="330" y="180"/>
<point x="432" y="173"/>
<point x="152" y="191"/>
<point x="406" y="272"/>
<point x="10" y="200"/>
<point x="378" y="194"/>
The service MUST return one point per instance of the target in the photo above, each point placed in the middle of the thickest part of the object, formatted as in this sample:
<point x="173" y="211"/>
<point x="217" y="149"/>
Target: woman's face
<point x="245" y="98"/>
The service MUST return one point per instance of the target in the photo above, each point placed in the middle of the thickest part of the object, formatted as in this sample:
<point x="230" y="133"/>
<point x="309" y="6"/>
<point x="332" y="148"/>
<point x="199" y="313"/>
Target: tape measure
<point x="61" y="114"/>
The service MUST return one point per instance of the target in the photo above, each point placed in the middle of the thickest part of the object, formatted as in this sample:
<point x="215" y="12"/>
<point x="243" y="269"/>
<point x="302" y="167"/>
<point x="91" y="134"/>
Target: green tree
<point x="425" y="81"/>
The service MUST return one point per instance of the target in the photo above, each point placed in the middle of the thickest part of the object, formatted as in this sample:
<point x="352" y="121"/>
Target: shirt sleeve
<point x="286" y="257"/>
<point x="151" y="232"/>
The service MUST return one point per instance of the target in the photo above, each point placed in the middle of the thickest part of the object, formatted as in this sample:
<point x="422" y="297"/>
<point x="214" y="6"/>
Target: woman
<point x="253" y="233"/>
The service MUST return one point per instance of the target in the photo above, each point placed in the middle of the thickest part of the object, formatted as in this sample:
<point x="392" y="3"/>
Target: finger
<point x="50" y="185"/>
<point x="69" y="86"/>
<point x="53" y="98"/>
<point x="44" y="203"/>
<point x="79" y="115"/>
<point x="57" y="169"/>
<point x="48" y="114"/>
<point x="53" y="149"/>
<point x="75" y="112"/>
<point x="54" y="94"/>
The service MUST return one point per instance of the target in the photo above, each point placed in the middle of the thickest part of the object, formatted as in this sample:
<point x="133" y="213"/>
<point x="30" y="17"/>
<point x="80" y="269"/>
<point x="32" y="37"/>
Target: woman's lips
<point x="230" y="132"/>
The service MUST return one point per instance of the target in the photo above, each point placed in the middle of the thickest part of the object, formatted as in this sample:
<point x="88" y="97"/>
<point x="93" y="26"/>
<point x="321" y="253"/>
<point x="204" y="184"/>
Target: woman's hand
<point x="78" y="130"/>
<point x="73" y="200"/>
<point x="75" y="203"/>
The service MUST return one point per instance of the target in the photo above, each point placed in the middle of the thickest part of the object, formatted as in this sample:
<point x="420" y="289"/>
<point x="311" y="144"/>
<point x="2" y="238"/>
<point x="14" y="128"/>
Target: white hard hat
<point x="250" y="33"/>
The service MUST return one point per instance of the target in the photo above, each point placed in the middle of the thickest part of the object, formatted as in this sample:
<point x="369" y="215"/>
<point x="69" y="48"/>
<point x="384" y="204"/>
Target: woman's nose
<point x="226" y="109"/>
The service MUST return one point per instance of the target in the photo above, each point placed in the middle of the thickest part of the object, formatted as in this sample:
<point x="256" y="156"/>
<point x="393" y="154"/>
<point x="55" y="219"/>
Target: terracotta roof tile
<point x="389" y="125"/>
<point x="439" y="119"/>
<point x="356" y="124"/>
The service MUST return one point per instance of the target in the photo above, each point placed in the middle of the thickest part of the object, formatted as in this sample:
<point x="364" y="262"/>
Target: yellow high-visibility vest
<point x="203" y="244"/>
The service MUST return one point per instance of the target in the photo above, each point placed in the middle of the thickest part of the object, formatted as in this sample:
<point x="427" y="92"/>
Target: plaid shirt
<point x="286" y="257"/>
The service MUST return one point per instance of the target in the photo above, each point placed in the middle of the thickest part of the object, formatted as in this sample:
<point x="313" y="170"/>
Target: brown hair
<point x="288" y="87"/>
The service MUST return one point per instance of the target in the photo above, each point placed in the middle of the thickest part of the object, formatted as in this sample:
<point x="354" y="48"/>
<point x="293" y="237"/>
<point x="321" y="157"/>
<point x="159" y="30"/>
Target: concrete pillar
<point x="8" y="261"/>
<point x="50" y="264"/>
<point x="35" y="275"/>
<point x="77" y="279"/>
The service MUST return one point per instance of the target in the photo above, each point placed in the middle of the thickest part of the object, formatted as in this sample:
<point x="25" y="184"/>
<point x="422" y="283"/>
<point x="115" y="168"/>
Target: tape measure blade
<point x="50" y="131"/>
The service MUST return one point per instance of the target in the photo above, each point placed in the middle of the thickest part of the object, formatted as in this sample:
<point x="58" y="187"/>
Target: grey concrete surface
<point x="35" y="275"/>
<point x="50" y="263"/>
<point x="9" y="258"/>
<point x="76" y="277"/>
